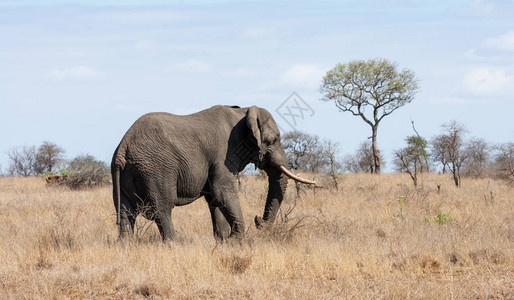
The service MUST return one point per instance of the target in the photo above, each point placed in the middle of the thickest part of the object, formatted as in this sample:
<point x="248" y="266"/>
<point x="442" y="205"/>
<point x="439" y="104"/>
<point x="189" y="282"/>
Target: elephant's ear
<point x="252" y="121"/>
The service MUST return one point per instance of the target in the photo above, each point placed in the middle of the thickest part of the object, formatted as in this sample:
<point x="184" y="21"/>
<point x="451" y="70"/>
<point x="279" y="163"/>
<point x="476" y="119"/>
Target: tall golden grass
<point x="376" y="237"/>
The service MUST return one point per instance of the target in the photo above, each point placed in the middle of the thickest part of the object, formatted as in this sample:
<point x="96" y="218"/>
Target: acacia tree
<point x="330" y="151"/>
<point x="365" y="158"/>
<point x="452" y="141"/>
<point x="412" y="159"/>
<point x="370" y="89"/>
<point x="438" y="152"/>
<point x="504" y="161"/>
<point x="303" y="150"/>
<point x="362" y="160"/>
<point x="49" y="155"/>
<point x="478" y="158"/>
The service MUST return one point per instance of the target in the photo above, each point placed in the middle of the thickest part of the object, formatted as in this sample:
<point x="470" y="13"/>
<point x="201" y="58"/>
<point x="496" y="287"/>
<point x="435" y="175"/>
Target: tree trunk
<point x="456" y="179"/>
<point x="415" y="177"/>
<point x="333" y="173"/>
<point x="376" y="152"/>
<point x="455" y="175"/>
<point x="458" y="176"/>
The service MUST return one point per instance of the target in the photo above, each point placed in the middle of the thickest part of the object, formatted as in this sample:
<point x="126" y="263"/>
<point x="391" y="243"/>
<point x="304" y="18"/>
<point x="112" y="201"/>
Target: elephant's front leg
<point x="220" y="226"/>
<point x="223" y="191"/>
<point x="232" y="212"/>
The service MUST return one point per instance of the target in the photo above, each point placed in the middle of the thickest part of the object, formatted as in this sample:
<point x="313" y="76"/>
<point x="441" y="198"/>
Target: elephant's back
<point x="165" y="128"/>
<point x="156" y="133"/>
<point x="188" y="137"/>
<point x="163" y="141"/>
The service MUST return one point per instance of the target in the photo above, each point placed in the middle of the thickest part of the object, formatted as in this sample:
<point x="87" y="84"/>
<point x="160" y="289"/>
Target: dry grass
<point x="354" y="243"/>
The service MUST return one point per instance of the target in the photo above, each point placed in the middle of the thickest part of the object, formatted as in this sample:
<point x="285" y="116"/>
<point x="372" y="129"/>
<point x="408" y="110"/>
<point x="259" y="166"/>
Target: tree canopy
<point x="412" y="158"/>
<point x="370" y="89"/>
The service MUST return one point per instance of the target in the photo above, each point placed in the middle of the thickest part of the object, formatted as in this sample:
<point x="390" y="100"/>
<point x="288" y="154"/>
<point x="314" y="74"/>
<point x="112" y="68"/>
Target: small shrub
<point x="401" y="202"/>
<point x="61" y="170"/>
<point x="87" y="172"/>
<point x="443" y="218"/>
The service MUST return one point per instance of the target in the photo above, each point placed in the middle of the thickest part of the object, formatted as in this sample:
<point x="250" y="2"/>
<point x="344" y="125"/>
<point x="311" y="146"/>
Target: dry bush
<point x="358" y="242"/>
<point x="87" y="172"/>
<point x="235" y="263"/>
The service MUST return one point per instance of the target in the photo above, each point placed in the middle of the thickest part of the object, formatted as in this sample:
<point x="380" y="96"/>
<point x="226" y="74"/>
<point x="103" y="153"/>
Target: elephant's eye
<point x="271" y="141"/>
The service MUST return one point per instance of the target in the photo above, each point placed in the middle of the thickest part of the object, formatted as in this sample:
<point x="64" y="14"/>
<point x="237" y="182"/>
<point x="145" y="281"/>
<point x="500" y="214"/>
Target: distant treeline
<point x="448" y="151"/>
<point x="48" y="159"/>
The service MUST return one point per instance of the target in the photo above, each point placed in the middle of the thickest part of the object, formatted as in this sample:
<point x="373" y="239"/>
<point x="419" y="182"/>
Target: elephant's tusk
<point x="297" y="178"/>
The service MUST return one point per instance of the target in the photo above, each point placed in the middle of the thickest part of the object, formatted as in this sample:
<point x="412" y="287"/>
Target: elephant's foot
<point x="125" y="231"/>
<point x="236" y="235"/>
<point x="123" y="238"/>
<point x="167" y="232"/>
<point x="259" y="222"/>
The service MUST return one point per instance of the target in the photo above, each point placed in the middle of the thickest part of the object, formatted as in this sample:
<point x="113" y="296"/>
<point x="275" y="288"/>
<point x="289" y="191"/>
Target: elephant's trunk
<point x="277" y="185"/>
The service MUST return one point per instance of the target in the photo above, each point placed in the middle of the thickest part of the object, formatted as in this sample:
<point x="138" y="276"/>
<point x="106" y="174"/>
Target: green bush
<point x="86" y="171"/>
<point x="442" y="218"/>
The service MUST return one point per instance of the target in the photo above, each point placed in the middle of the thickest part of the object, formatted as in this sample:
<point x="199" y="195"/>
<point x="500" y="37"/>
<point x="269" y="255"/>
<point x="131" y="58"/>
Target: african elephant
<point x="167" y="160"/>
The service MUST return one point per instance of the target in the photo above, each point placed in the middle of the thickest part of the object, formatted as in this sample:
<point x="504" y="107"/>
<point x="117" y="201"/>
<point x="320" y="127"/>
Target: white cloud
<point x="490" y="81"/>
<point x="77" y="73"/>
<point x="472" y="54"/>
<point x="504" y="42"/>
<point x="193" y="66"/>
<point x="303" y="75"/>
<point x="483" y="56"/>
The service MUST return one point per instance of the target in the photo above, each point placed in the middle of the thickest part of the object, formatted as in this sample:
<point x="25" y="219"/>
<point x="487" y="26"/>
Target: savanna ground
<point x="377" y="237"/>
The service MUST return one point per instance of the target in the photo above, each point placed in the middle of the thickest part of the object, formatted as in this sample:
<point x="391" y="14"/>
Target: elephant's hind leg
<point x="164" y="203"/>
<point x="127" y="212"/>
<point x="128" y="219"/>
<point x="163" y="221"/>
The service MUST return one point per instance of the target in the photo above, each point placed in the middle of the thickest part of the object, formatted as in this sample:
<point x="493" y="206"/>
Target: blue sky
<point x="79" y="73"/>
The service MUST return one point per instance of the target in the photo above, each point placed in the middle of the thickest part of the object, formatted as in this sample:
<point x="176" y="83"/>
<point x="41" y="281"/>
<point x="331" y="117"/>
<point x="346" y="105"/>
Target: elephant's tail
<point x="118" y="164"/>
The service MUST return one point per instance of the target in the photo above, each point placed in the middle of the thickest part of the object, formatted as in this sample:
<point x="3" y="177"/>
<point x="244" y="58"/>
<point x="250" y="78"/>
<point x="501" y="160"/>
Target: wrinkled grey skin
<point x="166" y="160"/>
